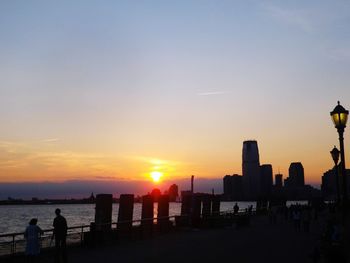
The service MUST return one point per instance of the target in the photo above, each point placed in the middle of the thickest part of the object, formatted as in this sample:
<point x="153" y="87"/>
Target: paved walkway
<point x="260" y="242"/>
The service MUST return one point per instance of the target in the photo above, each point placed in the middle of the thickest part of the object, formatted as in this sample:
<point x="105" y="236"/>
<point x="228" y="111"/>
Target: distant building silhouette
<point x="173" y="192"/>
<point x="227" y="187"/>
<point x="294" y="186"/>
<point x="92" y="197"/>
<point x="251" y="169"/>
<point x="266" y="180"/>
<point x="329" y="184"/>
<point x="233" y="187"/>
<point x="279" y="180"/>
<point x="296" y="176"/>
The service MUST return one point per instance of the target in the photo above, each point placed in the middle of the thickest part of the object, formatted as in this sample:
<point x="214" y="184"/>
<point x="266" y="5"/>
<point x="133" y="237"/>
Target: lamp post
<point x="335" y="156"/>
<point x="340" y="117"/>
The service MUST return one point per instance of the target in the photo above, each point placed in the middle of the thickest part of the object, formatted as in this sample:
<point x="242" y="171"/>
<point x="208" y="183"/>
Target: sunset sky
<point x="116" y="90"/>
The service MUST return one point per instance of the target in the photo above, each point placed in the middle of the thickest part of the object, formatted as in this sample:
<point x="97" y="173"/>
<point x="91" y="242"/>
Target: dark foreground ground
<point x="259" y="242"/>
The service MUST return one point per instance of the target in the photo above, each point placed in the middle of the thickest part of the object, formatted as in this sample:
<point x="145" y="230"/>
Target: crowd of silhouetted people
<point x="302" y="217"/>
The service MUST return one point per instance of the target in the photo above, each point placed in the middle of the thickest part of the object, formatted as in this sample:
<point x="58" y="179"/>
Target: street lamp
<point x="335" y="156"/>
<point x="340" y="117"/>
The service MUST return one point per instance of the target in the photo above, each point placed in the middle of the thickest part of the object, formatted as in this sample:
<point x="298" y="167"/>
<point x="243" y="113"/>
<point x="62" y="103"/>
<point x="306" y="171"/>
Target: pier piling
<point x="125" y="213"/>
<point x="163" y="213"/>
<point x="196" y="210"/>
<point x="103" y="212"/>
<point x="206" y="208"/>
<point x="147" y="215"/>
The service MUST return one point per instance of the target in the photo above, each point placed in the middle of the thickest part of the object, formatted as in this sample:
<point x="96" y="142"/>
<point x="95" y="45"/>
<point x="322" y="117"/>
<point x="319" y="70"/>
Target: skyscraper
<point x="266" y="179"/>
<point x="329" y="185"/>
<point x="233" y="187"/>
<point x="296" y="176"/>
<point x="227" y="187"/>
<point x="251" y="169"/>
<point x="278" y="180"/>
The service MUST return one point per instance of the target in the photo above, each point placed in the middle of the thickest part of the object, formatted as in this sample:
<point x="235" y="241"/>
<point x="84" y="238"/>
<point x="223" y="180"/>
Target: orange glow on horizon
<point x="38" y="162"/>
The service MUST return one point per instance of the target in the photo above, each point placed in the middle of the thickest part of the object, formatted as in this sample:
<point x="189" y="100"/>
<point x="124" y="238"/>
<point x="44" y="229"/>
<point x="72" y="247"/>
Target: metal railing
<point x="14" y="243"/>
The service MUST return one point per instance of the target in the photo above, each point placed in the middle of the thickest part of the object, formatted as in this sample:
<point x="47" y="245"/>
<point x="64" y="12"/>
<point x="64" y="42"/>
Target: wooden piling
<point x="163" y="213"/>
<point x="147" y="215"/>
<point x="206" y="207"/>
<point x="103" y="212"/>
<point x="125" y="213"/>
<point x="196" y="210"/>
<point x="215" y="205"/>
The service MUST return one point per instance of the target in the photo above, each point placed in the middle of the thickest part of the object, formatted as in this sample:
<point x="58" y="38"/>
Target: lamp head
<point x="339" y="116"/>
<point x="335" y="155"/>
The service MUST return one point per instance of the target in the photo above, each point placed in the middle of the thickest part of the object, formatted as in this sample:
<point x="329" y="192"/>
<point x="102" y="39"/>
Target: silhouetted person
<point x="235" y="209"/>
<point x="306" y="216"/>
<point x="273" y="215"/>
<point x="316" y="255"/>
<point x="296" y="219"/>
<point x="60" y="234"/>
<point x="32" y="236"/>
<point x="334" y="236"/>
<point x="250" y="209"/>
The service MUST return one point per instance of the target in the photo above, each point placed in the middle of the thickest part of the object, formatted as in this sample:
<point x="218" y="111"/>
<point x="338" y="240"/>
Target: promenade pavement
<point x="259" y="242"/>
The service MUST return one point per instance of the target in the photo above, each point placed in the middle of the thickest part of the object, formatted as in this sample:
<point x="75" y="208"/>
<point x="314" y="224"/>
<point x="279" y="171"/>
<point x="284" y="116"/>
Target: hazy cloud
<point x="320" y="16"/>
<point x="339" y="54"/>
<point x="212" y="93"/>
<point x="297" y="17"/>
<point x="51" y="140"/>
<point x="28" y="161"/>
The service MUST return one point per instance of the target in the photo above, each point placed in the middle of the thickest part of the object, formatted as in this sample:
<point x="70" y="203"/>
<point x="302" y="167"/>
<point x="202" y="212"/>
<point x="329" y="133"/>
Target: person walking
<point x="235" y="209"/>
<point x="306" y="216"/>
<point x="297" y="219"/>
<point x="32" y="235"/>
<point x="60" y="235"/>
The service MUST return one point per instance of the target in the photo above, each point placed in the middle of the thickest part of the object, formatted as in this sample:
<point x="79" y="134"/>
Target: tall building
<point x="278" y="180"/>
<point x="266" y="180"/>
<point x="227" y="187"/>
<point x="329" y="184"/>
<point x="296" y="176"/>
<point x="251" y="169"/>
<point x="233" y="187"/>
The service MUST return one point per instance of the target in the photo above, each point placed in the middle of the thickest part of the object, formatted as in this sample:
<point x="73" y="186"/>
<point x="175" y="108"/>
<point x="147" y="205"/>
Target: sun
<point x="156" y="176"/>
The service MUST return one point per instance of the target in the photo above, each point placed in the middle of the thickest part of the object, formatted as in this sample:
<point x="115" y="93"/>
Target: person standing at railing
<point x="60" y="235"/>
<point x="32" y="236"/>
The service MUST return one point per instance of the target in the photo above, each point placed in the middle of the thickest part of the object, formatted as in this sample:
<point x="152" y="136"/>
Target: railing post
<point x="81" y="235"/>
<point x="13" y="245"/>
